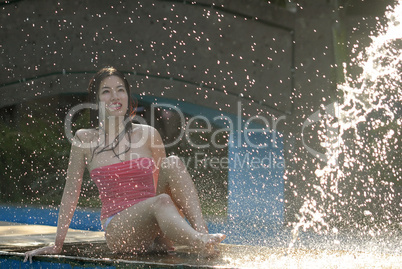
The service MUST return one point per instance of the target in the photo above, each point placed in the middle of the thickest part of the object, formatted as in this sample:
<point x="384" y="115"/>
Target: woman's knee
<point x="163" y="200"/>
<point x="172" y="162"/>
<point x="171" y="174"/>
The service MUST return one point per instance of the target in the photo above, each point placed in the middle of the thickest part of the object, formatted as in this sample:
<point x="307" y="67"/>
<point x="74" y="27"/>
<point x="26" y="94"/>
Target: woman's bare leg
<point x="176" y="181"/>
<point x="135" y="228"/>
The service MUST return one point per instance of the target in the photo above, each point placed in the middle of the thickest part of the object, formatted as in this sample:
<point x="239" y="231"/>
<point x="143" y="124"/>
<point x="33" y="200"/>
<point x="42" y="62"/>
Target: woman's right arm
<point x="69" y="200"/>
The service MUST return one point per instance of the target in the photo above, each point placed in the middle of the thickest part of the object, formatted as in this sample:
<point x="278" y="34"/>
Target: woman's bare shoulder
<point x="86" y="135"/>
<point x="149" y="133"/>
<point x="145" y="130"/>
<point x="143" y="127"/>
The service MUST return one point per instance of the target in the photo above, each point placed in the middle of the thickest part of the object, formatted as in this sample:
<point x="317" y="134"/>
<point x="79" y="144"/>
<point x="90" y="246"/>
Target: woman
<point x="141" y="190"/>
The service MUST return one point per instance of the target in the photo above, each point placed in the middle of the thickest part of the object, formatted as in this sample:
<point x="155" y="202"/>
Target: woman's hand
<point x="41" y="251"/>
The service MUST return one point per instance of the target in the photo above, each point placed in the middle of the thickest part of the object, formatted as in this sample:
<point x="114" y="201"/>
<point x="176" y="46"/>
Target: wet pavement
<point x="88" y="249"/>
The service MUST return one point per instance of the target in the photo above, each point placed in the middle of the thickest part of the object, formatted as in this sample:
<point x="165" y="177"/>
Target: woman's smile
<point x="114" y="94"/>
<point x="115" y="106"/>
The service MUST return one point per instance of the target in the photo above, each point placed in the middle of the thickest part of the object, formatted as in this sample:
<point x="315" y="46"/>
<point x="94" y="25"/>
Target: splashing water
<point x="358" y="185"/>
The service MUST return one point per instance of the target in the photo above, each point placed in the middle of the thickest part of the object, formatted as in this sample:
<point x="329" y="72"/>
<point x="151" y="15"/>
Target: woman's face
<point x="114" y="94"/>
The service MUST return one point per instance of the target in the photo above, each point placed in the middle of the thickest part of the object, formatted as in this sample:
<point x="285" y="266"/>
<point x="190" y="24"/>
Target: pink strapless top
<point x="124" y="184"/>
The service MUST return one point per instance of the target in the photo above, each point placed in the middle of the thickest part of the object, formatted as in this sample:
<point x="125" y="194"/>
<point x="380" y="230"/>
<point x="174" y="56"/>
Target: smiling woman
<point x="102" y="88"/>
<point x="140" y="203"/>
<point x="114" y="94"/>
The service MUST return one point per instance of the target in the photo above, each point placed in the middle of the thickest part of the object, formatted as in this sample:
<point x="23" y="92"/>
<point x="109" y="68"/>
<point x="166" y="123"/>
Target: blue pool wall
<point x="83" y="219"/>
<point x="256" y="189"/>
<point x="13" y="262"/>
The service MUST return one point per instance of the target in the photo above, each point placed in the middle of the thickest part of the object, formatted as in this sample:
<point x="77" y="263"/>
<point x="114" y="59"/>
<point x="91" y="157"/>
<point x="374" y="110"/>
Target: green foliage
<point x="31" y="156"/>
<point x="34" y="157"/>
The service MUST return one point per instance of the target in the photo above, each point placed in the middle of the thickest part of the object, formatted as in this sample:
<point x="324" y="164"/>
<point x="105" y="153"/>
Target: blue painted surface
<point x="216" y="117"/>
<point x="256" y="184"/>
<point x="83" y="219"/>
<point x="14" y="262"/>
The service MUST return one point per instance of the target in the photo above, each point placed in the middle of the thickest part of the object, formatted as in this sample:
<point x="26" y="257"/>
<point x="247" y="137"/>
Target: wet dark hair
<point x="93" y="93"/>
<point x="93" y="97"/>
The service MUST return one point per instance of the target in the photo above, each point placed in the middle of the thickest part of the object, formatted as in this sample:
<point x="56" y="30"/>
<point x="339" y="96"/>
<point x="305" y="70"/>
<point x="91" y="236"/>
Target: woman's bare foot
<point x="161" y="245"/>
<point x="207" y="243"/>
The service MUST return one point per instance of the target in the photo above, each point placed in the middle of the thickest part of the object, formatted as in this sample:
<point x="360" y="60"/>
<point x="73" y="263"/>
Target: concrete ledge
<point x="85" y="249"/>
<point x="16" y="235"/>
